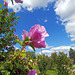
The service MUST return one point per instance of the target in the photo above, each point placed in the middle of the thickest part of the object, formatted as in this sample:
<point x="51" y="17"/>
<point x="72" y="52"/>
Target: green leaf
<point x="26" y="39"/>
<point x="3" y="72"/>
<point x="1" y="66"/>
<point x="13" y="29"/>
<point x="18" y="41"/>
<point x="0" y="11"/>
<point x="23" y="54"/>
<point x="32" y="47"/>
<point x="0" y="5"/>
<point x="7" y="72"/>
<point x="12" y="1"/>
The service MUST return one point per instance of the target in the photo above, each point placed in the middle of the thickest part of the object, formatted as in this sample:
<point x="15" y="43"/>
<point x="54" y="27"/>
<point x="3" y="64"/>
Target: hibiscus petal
<point x="24" y="34"/>
<point x="39" y="44"/>
<point x="39" y="28"/>
<point x="36" y="35"/>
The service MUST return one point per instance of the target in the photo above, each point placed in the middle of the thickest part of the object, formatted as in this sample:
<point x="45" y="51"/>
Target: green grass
<point x="51" y="72"/>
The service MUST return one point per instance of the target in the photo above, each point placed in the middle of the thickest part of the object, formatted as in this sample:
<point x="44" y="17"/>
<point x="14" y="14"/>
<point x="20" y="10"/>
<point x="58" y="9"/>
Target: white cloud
<point x="66" y="10"/>
<point x="45" y="20"/>
<point x="29" y="4"/>
<point x="47" y="46"/>
<point x="29" y="9"/>
<point x="30" y="48"/>
<point x="57" y="22"/>
<point x="72" y="44"/>
<point x="64" y="49"/>
<point x="46" y="52"/>
<point x="61" y="48"/>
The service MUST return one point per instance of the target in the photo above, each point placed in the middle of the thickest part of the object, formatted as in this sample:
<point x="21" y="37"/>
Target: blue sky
<point x="57" y="16"/>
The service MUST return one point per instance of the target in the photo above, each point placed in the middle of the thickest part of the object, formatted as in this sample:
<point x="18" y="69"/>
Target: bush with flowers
<point x="14" y="61"/>
<point x="63" y="64"/>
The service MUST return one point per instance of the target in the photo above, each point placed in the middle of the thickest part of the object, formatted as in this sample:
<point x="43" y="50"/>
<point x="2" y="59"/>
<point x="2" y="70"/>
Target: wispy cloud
<point x="29" y="4"/>
<point x="64" y="49"/>
<point x="45" y="20"/>
<point x="65" y="9"/>
<point x="61" y="48"/>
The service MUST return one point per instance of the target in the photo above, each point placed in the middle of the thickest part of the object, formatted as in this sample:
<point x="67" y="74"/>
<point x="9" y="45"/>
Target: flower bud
<point x="5" y="3"/>
<point x="7" y="13"/>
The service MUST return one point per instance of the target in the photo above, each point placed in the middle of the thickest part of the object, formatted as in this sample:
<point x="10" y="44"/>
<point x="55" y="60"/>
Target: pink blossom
<point x="37" y="36"/>
<point x="7" y="13"/>
<point x="24" y="34"/>
<point x="34" y="60"/>
<point x="12" y="25"/>
<point x="7" y="46"/>
<point x="39" y="44"/>
<point x="40" y="29"/>
<point x="11" y="55"/>
<point x="64" y="67"/>
<point x="32" y="72"/>
<point x="5" y="3"/>
<point x="18" y="1"/>
<point x="16" y="35"/>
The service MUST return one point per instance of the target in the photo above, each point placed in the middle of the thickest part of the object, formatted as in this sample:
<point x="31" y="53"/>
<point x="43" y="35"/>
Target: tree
<point x="43" y="64"/>
<point x="72" y="54"/>
<point x="63" y="62"/>
<point x="54" y="58"/>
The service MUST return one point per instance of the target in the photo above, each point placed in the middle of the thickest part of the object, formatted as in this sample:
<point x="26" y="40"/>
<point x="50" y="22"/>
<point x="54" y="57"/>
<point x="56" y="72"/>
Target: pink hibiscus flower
<point x="37" y="36"/>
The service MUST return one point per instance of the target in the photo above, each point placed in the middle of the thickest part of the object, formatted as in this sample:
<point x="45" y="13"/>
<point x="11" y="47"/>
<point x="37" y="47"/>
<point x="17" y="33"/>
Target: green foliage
<point x="63" y="64"/>
<point x="18" y="41"/>
<point x="12" y="61"/>
<point x="0" y="5"/>
<point x="51" y="72"/>
<point x="72" y="54"/>
<point x="42" y="64"/>
<point x="31" y="53"/>
<point x="20" y="62"/>
<point x="6" y="32"/>
<point x="59" y="63"/>
<point x="32" y="47"/>
<point x="16" y="63"/>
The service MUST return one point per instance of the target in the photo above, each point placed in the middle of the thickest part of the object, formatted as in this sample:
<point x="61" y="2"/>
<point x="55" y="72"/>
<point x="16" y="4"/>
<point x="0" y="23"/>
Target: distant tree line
<point x="72" y="54"/>
<point x="60" y="63"/>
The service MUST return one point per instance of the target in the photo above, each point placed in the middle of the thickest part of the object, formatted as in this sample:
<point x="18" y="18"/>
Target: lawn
<point x="51" y="72"/>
